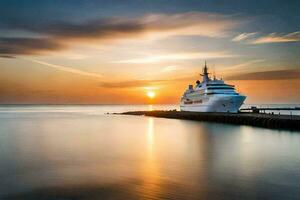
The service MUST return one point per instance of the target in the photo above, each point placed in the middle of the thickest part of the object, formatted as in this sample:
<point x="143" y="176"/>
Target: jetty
<point x="255" y="109"/>
<point x="287" y="122"/>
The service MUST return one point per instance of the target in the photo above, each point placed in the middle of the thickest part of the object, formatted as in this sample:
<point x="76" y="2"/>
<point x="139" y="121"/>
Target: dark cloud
<point x="96" y="29"/>
<point x="268" y="75"/>
<point x="25" y="46"/>
<point x="6" y="56"/>
<point x="56" y="35"/>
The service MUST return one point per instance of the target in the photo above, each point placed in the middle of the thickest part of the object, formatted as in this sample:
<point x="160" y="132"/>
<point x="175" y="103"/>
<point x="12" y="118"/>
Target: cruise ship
<point x="211" y="95"/>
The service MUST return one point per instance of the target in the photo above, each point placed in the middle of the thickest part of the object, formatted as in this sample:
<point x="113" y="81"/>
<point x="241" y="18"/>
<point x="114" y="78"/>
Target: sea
<point x="80" y="152"/>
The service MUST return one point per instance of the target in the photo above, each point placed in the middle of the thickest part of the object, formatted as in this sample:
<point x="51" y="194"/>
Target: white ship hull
<point x="211" y="95"/>
<point x="216" y="103"/>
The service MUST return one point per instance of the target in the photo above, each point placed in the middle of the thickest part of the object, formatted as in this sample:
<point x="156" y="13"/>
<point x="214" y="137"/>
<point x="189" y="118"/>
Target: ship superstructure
<point x="211" y="95"/>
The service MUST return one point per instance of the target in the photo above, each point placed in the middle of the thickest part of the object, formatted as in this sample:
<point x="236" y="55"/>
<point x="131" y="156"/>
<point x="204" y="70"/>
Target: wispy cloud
<point x="137" y="83"/>
<point x="243" y="65"/>
<point x="268" y="75"/>
<point x="143" y="83"/>
<point x="60" y="35"/>
<point x="65" y="69"/>
<point x="276" y="38"/>
<point x="178" y="56"/>
<point x="171" y="68"/>
<point x="243" y="36"/>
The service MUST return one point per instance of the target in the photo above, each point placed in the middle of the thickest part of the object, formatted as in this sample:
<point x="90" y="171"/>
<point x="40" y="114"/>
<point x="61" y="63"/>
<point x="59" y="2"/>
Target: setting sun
<point x="151" y="94"/>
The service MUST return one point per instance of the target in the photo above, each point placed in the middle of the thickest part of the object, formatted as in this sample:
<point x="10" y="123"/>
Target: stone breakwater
<point x="287" y="122"/>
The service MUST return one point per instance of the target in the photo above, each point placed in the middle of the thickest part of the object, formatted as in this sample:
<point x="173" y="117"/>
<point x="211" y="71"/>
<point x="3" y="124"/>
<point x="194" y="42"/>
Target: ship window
<point x="209" y="93"/>
<point x="220" y="88"/>
<point x="218" y="84"/>
<point x="209" y="84"/>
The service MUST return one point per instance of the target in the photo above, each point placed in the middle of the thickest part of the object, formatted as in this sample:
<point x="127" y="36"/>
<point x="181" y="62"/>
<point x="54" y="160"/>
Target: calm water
<point x="78" y="152"/>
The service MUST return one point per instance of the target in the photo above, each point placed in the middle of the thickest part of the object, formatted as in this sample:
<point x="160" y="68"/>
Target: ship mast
<point x="205" y="73"/>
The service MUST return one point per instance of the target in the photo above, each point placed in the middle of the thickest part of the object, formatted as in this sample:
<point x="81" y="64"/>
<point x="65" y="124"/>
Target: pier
<point x="255" y="109"/>
<point x="287" y="122"/>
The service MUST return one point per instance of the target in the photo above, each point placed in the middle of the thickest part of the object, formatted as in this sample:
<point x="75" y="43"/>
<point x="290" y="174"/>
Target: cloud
<point x="178" y="56"/>
<point x="59" y="35"/>
<point x="243" y="36"/>
<point x="130" y="84"/>
<point x="6" y="56"/>
<point x="65" y="69"/>
<point x="276" y="38"/>
<point x="189" y="23"/>
<point x="105" y="84"/>
<point x="27" y="46"/>
<point x="245" y="64"/>
<point x="171" y="68"/>
<point x="143" y="83"/>
<point x="268" y="75"/>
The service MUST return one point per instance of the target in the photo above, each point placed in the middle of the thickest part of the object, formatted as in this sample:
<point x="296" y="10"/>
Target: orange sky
<point x="118" y="59"/>
<point x="58" y="87"/>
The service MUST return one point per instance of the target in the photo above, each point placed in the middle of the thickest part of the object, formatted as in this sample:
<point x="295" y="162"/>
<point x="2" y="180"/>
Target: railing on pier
<point x="255" y="109"/>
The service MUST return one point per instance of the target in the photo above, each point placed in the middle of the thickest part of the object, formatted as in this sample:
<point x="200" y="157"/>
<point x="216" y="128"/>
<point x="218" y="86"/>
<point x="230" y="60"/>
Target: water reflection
<point x="81" y="156"/>
<point x="150" y="186"/>
<point x="150" y="107"/>
<point x="150" y="136"/>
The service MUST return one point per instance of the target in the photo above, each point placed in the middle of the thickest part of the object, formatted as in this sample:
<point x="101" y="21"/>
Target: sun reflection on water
<point x="151" y="185"/>
<point x="150" y="107"/>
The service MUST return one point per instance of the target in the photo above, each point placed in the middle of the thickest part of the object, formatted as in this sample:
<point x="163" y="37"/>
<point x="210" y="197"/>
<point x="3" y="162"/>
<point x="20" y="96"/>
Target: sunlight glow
<point x="151" y="94"/>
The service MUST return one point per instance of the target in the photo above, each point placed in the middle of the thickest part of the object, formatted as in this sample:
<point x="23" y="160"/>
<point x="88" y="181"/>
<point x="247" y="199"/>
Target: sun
<point x="151" y="94"/>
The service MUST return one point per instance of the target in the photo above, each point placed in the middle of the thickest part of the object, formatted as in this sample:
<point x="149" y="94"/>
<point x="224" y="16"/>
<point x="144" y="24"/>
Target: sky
<point x="116" y="52"/>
